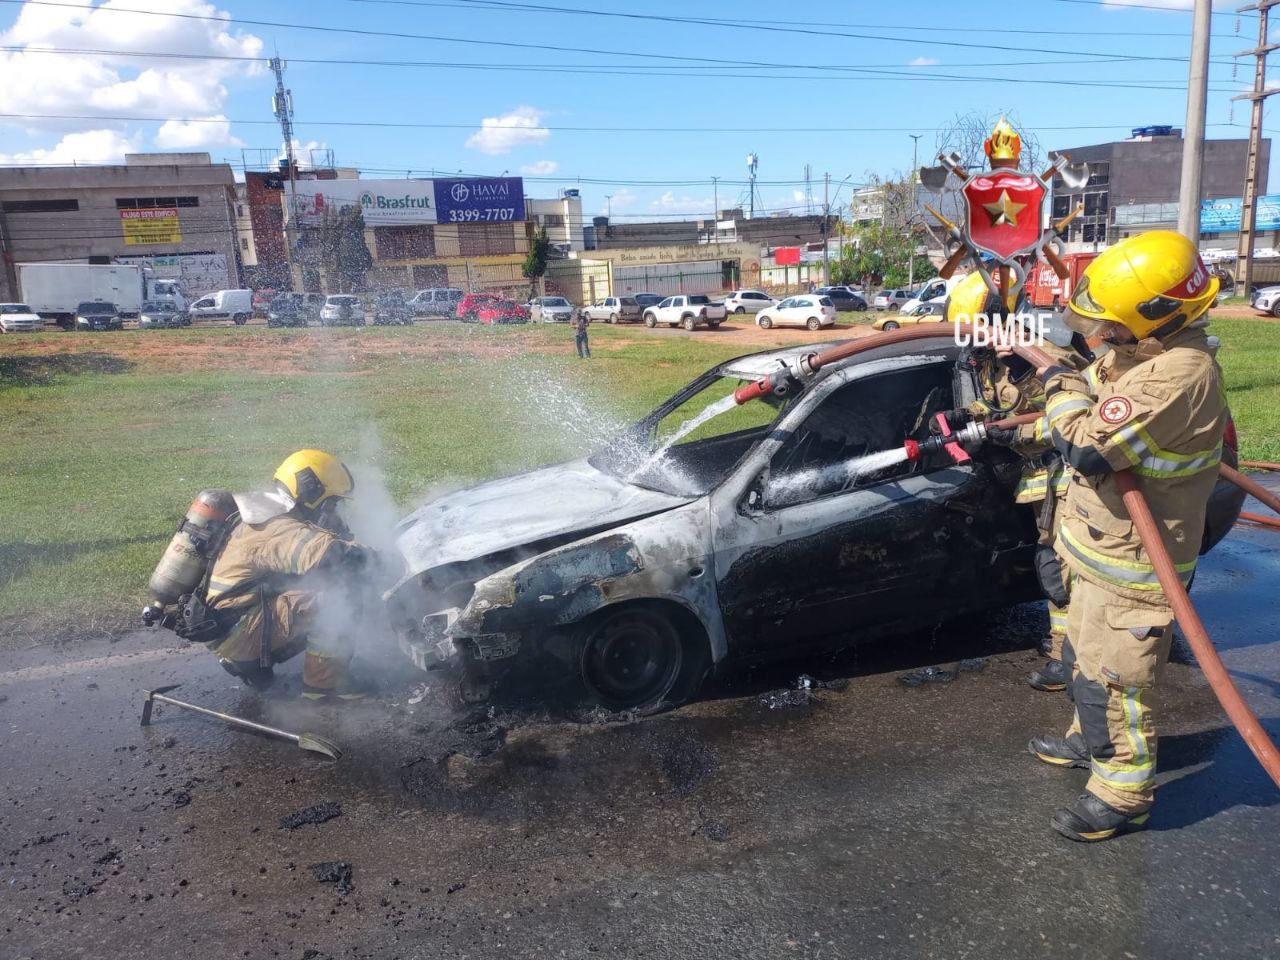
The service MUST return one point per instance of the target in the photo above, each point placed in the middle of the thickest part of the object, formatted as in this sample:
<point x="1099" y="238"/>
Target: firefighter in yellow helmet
<point x="1154" y="405"/>
<point x="1012" y="389"/>
<point x="288" y="580"/>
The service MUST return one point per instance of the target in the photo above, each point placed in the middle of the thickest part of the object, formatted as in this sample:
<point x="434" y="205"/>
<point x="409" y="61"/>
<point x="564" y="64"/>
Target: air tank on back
<point x="186" y="558"/>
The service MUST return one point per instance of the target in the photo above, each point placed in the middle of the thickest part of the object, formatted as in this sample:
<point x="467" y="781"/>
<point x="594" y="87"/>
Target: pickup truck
<point x="686" y="311"/>
<point x="612" y="310"/>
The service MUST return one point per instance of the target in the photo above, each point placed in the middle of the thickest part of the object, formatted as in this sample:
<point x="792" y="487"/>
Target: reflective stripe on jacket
<point x="1159" y="409"/>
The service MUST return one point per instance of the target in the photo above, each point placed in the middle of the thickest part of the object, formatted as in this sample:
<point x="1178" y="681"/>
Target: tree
<point x="346" y="255"/>
<point x="535" y="261"/>
<point x="880" y="250"/>
<point x="966" y="132"/>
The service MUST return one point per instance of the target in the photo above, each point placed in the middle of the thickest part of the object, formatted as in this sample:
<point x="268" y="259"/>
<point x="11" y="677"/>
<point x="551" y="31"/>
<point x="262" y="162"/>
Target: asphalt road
<point x="879" y="820"/>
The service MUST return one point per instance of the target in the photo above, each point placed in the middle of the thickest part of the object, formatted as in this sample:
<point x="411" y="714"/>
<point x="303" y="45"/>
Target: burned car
<point x="712" y="534"/>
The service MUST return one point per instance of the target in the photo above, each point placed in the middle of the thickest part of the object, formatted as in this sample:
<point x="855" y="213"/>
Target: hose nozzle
<point x="778" y="382"/>
<point x="955" y="444"/>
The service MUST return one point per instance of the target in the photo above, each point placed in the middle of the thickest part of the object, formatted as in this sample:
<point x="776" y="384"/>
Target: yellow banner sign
<point x="158" y="225"/>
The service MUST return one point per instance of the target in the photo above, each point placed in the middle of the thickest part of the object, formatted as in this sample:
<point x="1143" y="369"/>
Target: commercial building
<point x="174" y="212"/>
<point x="1133" y="184"/>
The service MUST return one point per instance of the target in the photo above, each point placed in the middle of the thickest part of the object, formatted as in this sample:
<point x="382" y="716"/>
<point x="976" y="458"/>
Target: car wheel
<point x="893" y="308"/>
<point x="713" y="324"/>
<point x="890" y="325"/>
<point x="739" y="309"/>
<point x="813" y="323"/>
<point x="613" y="318"/>
<point x="240" y="319"/>
<point x="689" y="323"/>
<point x="631" y="658"/>
<point x="764" y="322"/>
<point x="650" y="320"/>
<point x="1275" y="310"/>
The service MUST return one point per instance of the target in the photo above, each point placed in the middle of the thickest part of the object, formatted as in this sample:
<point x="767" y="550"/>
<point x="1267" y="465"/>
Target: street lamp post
<point x="608" y="205"/>
<point x="911" y="238"/>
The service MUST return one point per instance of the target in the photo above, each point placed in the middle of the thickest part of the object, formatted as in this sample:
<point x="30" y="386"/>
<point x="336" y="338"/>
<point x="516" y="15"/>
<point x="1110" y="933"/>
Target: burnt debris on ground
<point x="317" y="813"/>
<point x="336" y="872"/>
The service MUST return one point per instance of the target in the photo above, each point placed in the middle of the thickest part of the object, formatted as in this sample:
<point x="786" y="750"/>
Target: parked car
<point x="294" y="309"/>
<point x="891" y="299"/>
<point x="648" y="299"/>
<point x="747" y="301"/>
<point x="932" y="311"/>
<point x="234" y="305"/>
<point x="98" y="315"/>
<point x="156" y="314"/>
<point x="622" y="578"/>
<point x="468" y="308"/>
<point x="613" y="310"/>
<point x="843" y="298"/>
<point x="437" y="302"/>
<point x="342" y="309"/>
<point x="806" y="310"/>
<point x="1267" y="300"/>
<point x="501" y="310"/>
<point x="262" y="300"/>
<point x="686" y="311"/>
<point x="550" y="310"/>
<point x="19" y="318"/>
<point x="936" y="289"/>
<point x="390" y="308"/>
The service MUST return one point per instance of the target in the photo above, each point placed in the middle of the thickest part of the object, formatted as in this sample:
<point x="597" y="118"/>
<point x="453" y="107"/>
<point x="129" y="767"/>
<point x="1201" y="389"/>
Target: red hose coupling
<point x="913" y="450"/>
<point x="753" y="391"/>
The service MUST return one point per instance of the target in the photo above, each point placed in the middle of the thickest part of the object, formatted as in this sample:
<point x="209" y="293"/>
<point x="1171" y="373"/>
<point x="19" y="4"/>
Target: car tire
<point x="634" y="657"/>
<point x="764" y="323"/>
<point x="1275" y="309"/>
<point x="650" y="320"/>
<point x="240" y="319"/>
<point x="713" y="324"/>
<point x="689" y="323"/>
<point x="891" y="325"/>
<point x="893" y="307"/>
<point x="613" y="318"/>
<point x="739" y="309"/>
<point x="813" y="323"/>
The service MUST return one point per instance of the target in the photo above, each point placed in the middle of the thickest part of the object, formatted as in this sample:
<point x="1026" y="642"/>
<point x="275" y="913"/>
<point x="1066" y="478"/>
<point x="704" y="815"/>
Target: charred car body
<point x="762" y="533"/>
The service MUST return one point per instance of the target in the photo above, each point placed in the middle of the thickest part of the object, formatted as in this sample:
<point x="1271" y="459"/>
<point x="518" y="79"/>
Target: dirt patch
<point x="43" y="370"/>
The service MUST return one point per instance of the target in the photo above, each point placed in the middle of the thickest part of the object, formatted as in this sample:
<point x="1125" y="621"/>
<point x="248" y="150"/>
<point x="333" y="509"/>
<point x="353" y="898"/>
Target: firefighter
<point x="1153" y="404"/>
<point x="290" y="578"/>
<point x="1012" y="390"/>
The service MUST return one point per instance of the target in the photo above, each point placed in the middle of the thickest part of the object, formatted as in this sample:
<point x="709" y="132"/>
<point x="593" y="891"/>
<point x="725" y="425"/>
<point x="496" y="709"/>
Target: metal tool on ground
<point x="307" y="741"/>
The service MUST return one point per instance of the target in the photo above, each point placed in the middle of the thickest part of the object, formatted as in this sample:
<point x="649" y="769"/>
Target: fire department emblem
<point x="1116" y="410"/>
<point x="1004" y="212"/>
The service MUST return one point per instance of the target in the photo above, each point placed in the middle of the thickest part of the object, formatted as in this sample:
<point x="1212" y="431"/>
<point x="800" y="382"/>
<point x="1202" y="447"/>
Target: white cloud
<point x="40" y="84"/>
<point x="196" y="135"/>
<point x="924" y="62"/>
<point x="670" y="203"/>
<point x="541" y="168"/>
<point x="303" y="153"/>
<point x="521" y="126"/>
<point x="87" y="146"/>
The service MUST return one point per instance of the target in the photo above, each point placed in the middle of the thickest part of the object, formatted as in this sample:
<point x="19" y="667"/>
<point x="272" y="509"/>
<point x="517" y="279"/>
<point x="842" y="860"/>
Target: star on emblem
<point x="1004" y="210"/>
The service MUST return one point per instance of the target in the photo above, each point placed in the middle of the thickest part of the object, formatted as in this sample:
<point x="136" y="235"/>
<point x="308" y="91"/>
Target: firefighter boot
<point x="1053" y="676"/>
<point x="328" y="678"/>
<point x="1089" y="820"/>
<point x="1068" y="751"/>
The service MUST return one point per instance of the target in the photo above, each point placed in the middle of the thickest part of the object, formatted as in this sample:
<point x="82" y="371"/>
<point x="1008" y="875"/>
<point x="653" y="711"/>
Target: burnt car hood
<point x="540" y="505"/>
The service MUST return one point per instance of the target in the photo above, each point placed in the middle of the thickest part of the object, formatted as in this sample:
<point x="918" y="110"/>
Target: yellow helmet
<point x="970" y="297"/>
<point x="1152" y="284"/>
<point x="312" y="477"/>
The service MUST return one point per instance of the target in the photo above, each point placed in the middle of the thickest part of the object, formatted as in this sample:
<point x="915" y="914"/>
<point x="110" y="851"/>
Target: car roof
<point x="753" y="366"/>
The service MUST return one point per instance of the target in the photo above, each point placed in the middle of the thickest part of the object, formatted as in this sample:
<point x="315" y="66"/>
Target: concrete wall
<point x="94" y="228"/>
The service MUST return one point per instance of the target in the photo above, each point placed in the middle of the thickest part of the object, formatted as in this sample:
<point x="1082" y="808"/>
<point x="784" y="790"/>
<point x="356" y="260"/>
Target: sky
<point x="638" y="112"/>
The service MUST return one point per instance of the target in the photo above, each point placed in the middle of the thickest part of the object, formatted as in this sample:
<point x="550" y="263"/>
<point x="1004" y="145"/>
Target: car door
<point x="815" y="548"/>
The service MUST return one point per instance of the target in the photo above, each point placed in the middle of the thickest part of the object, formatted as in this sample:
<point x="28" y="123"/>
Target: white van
<point x="234" y="305"/>
<point x="935" y="289"/>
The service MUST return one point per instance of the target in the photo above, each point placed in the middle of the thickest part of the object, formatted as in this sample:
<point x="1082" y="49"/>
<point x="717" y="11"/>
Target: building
<point x="1133" y="184"/>
<point x="173" y="212"/>
<point x="728" y="226"/>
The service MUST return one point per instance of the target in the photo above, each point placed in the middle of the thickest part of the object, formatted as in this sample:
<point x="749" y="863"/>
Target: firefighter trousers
<point x="290" y="630"/>
<point x="1057" y="630"/>
<point x="1116" y="649"/>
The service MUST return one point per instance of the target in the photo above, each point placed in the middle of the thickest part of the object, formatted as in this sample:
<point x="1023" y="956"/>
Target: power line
<point x="615" y="52"/>
<point x="1141" y="6"/>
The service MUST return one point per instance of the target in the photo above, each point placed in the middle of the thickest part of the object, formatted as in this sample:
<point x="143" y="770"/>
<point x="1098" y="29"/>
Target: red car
<point x="486" y="308"/>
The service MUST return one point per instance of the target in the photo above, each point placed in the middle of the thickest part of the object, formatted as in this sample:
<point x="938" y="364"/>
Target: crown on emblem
<point x="1004" y="142"/>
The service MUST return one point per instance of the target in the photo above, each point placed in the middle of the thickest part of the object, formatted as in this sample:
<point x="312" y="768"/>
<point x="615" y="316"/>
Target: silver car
<point x="156" y="314"/>
<point x="747" y="301"/>
<point x="1267" y="300"/>
<point x="550" y="310"/>
<point x="613" y="310"/>
<point x="891" y="299"/>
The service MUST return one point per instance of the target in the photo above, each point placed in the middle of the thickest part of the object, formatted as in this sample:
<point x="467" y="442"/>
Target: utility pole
<point x="282" y="107"/>
<point x="826" y="218"/>
<point x="715" y="213"/>
<point x="1193" y="136"/>
<point x="1249" y="202"/>
<point x="911" y="216"/>
<point x="608" y="205"/>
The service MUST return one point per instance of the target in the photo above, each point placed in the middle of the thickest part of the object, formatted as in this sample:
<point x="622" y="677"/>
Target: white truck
<point x="686" y="310"/>
<point x="54" y="290"/>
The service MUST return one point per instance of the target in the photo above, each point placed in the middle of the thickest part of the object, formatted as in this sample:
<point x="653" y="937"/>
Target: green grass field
<point x="109" y="436"/>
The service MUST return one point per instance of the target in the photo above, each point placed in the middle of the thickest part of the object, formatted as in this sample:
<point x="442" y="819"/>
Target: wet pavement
<point x="873" y="819"/>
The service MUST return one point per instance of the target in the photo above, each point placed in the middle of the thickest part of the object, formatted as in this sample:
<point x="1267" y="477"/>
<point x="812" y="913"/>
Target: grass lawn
<point x="109" y="436"/>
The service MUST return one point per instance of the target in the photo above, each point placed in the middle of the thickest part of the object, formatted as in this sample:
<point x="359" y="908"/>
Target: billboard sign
<point x="1223" y="215"/>
<point x="157" y="225"/>
<point x="386" y="203"/>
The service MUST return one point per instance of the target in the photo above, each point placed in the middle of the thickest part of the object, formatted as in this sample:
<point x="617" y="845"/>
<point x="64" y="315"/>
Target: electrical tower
<point x="808" y="190"/>
<point x="282" y="107"/>
<point x="753" y="161"/>
<point x="1249" y="202"/>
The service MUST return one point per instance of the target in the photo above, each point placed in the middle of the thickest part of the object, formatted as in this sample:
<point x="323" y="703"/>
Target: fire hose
<point x="1245" y="720"/>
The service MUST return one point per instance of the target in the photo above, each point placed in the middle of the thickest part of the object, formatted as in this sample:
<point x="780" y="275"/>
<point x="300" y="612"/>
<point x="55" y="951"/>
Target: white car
<point x="1267" y="300"/>
<point x="807" y="310"/>
<point x="550" y="310"/>
<point x="234" y="305"/>
<point x="747" y="301"/>
<point x="19" y="318"/>
<point x="342" y="309"/>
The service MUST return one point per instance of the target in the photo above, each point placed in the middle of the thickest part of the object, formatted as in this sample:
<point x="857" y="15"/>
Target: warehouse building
<point x="174" y="212"/>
